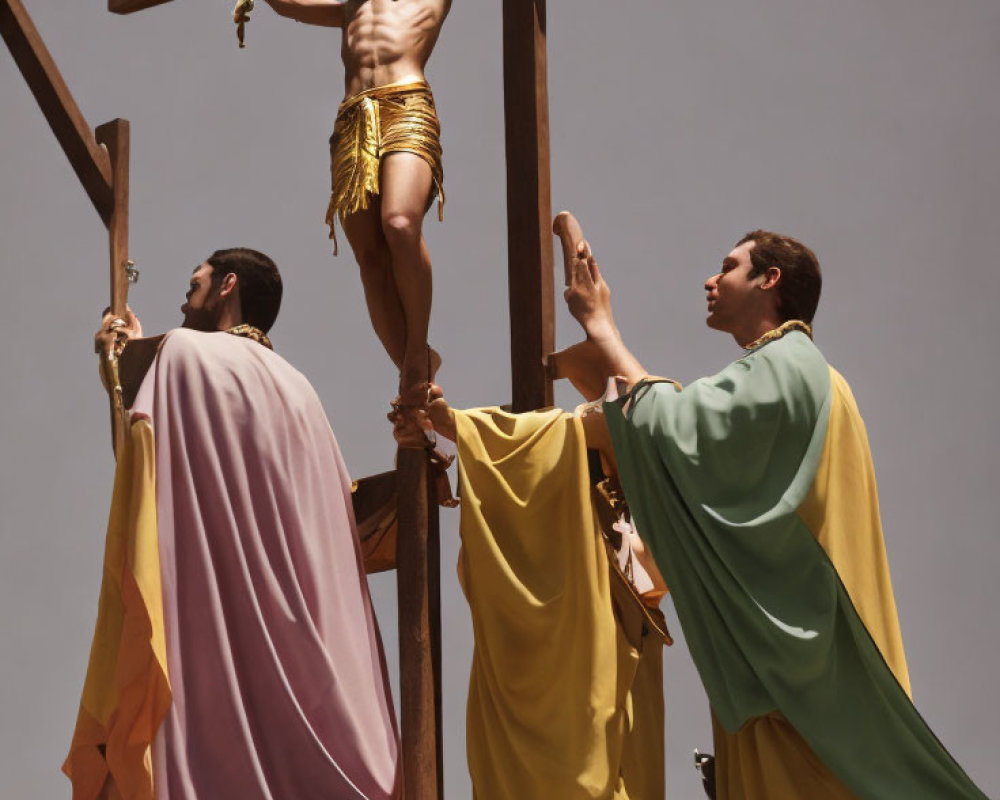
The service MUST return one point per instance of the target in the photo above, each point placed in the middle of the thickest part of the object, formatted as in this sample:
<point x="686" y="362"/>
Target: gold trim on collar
<point x="252" y="333"/>
<point x="781" y="330"/>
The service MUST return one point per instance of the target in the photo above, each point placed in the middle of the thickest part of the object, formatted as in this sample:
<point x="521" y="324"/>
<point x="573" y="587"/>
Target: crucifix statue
<point x="386" y="167"/>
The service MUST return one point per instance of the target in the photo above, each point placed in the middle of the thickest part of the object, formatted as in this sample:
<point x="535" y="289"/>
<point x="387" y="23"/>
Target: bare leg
<point x="405" y="185"/>
<point x="364" y="232"/>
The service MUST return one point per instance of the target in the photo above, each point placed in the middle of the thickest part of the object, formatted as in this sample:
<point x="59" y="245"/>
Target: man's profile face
<point x="203" y="302"/>
<point x="730" y="292"/>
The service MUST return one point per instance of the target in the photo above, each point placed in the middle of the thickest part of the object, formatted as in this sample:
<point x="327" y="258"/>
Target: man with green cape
<point x="755" y="491"/>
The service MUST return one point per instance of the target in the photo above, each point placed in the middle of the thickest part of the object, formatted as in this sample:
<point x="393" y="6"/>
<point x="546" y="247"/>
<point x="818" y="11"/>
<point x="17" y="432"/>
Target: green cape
<point x="714" y="475"/>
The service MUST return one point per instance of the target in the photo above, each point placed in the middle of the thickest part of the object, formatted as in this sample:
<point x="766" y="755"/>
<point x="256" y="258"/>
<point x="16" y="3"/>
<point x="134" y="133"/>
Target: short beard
<point x="206" y="318"/>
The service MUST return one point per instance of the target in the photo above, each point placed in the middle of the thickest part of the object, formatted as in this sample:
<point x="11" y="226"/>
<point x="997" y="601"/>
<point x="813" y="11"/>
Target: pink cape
<point x="279" y="684"/>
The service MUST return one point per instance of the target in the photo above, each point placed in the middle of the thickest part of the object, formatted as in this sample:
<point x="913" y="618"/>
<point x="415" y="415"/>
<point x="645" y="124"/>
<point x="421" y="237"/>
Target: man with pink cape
<point x="236" y="652"/>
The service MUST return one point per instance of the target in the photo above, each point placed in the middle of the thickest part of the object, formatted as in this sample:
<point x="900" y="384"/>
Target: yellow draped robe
<point x="561" y="706"/>
<point x="126" y="692"/>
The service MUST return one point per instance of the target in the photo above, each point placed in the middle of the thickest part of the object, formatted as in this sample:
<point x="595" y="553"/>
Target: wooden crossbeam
<point x="91" y="163"/>
<point x="529" y="203"/>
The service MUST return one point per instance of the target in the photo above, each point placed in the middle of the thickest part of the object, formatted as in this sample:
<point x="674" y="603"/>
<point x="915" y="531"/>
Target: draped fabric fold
<point x="126" y="692"/>
<point x="560" y="704"/>
<point x="725" y="479"/>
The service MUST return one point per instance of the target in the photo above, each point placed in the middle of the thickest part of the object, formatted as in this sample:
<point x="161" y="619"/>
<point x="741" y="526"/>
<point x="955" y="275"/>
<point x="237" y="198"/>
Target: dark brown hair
<point x="259" y="283"/>
<point x="801" y="280"/>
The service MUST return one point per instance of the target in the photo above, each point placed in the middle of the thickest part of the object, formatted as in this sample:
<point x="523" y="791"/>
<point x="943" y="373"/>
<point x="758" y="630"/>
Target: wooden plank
<point x="128" y="6"/>
<point x="89" y="161"/>
<point x="376" y="511"/>
<point x="418" y="568"/>
<point x="529" y="204"/>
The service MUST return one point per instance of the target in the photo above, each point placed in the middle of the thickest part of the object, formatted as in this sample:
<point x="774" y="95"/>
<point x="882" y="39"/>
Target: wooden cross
<point x="100" y="160"/>
<point x="532" y="303"/>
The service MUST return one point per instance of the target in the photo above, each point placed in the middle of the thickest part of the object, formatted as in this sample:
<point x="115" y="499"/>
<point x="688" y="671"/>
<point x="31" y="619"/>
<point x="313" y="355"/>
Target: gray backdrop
<point x="866" y="128"/>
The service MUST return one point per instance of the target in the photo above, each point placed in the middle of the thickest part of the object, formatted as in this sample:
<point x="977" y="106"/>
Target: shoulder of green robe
<point x="795" y="350"/>
<point x="795" y="362"/>
<point x="789" y="373"/>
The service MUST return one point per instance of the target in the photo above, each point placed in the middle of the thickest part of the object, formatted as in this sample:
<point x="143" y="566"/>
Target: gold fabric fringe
<point x="393" y="118"/>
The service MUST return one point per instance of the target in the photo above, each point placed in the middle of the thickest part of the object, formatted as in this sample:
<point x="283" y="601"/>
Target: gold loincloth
<point x="397" y="117"/>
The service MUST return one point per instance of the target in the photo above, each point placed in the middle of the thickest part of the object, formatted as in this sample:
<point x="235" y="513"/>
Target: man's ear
<point x="772" y="277"/>
<point x="228" y="284"/>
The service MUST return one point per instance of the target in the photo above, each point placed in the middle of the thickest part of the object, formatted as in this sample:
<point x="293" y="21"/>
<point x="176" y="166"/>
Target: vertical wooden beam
<point x="418" y="566"/>
<point x="529" y="204"/>
<point x="88" y="160"/>
<point x="114" y="136"/>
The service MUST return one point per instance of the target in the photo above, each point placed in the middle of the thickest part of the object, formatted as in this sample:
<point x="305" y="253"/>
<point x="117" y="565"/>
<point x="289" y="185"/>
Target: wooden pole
<point x="418" y="568"/>
<point x="529" y="203"/>
<point x="114" y="136"/>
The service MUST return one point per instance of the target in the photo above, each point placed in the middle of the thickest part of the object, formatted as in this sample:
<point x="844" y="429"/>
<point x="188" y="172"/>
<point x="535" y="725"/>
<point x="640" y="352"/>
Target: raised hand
<point x="589" y="300"/>
<point x="587" y="295"/>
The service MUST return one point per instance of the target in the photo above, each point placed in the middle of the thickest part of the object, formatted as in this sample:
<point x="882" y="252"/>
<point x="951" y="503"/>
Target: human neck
<point x="753" y="331"/>
<point x="230" y="317"/>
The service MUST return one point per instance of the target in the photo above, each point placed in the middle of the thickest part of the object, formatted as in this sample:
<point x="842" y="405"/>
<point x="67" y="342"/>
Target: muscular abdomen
<point x="387" y="41"/>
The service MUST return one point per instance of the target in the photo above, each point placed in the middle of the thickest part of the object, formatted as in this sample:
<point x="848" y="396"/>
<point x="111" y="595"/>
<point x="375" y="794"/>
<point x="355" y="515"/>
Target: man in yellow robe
<point x="566" y="693"/>
<point x="566" y="690"/>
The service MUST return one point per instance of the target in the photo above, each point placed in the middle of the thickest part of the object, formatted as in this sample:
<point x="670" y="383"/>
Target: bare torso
<point x="388" y="41"/>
